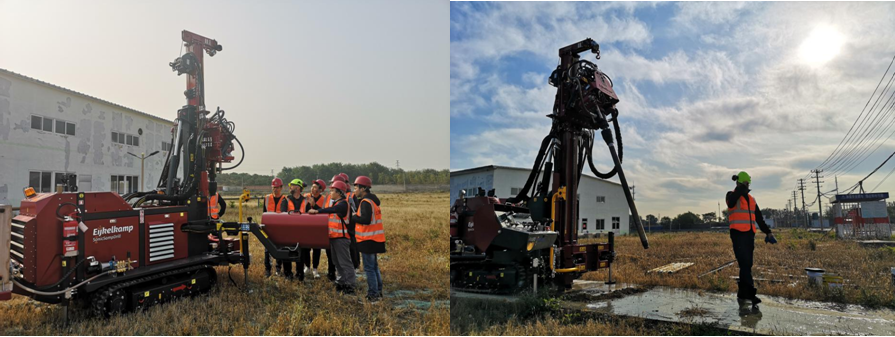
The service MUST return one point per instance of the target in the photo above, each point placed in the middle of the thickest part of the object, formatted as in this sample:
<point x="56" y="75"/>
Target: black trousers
<point x="743" y="246"/>
<point x="330" y="267"/>
<point x="355" y="255"/>
<point x="286" y="266"/>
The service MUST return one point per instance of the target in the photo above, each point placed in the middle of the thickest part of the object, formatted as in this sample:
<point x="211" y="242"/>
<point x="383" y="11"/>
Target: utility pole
<point x="820" y="217"/>
<point x="795" y="208"/>
<point x="839" y="212"/>
<point x="802" y="188"/>
<point x="404" y="175"/>
<point x="142" y="158"/>
<point x="633" y="194"/>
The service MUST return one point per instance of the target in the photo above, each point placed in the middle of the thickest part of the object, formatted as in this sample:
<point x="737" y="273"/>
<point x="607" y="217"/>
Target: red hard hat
<point x="344" y="177"/>
<point x="320" y="183"/>
<point x="276" y="182"/>
<point x="341" y="186"/>
<point x="336" y="178"/>
<point x="364" y="181"/>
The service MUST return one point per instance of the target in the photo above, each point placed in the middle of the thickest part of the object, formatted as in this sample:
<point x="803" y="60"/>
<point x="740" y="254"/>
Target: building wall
<point x="90" y="152"/>
<point x="505" y="180"/>
<point x="470" y="182"/>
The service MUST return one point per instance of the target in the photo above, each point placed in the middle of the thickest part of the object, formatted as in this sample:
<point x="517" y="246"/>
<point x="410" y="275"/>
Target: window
<point x="48" y="124"/>
<point x="584" y="224"/>
<point x="60" y="177"/>
<point x="37" y="122"/>
<point x="601" y="224"/>
<point x="124" y="184"/>
<point x="70" y="129"/>
<point x="60" y="126"/>
<point x="515" y="191"/>
<point x="615" y="222"/>
<point x="166" y="146"/>
<point x="601" y="199"/>
<point x="40" y="181"/>
<point x="125" y="139"/>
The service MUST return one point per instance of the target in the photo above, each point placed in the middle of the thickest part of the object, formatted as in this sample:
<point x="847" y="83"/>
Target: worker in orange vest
<point x="316" y="200"/>
<point x="339" y="238"/>
<point x="217" y="206"/>
<point x="295" y="203"/>
<point x="743" y="215"/>
<point x="273" y="203"/>
<point x="370" y="234"/>
<point x="352" y="201"/>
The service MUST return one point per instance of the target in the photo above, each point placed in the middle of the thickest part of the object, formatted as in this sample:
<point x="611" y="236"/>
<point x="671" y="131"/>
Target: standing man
<point x="273" y="203"/>
<point x="217" y="206"/>
<point x="355" y="255"/>
<point x="743" y="215"/>
<point x="339" y="239"/>
<point x="295" y="203"/>
<point x="316" y="200"/>
<point x="370" y="234"/>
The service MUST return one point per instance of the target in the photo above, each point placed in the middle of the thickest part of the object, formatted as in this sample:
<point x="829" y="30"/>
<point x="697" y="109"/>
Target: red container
<point x="307" y="230"/>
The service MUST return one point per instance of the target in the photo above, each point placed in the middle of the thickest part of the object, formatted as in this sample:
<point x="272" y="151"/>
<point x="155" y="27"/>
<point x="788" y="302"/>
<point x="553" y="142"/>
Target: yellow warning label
<point x="181" y="213"/>
<point x="146" y="294"/>
<point x="582" y="249"/>
<point x="501" y="274"/>
<point x="193" y="281"/>
<point x="63" y="263"/>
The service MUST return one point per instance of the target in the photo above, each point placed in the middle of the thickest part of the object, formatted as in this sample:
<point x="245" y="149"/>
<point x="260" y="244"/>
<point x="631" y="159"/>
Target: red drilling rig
<point x="118" y="253"/>
<point x="507" y="245"/>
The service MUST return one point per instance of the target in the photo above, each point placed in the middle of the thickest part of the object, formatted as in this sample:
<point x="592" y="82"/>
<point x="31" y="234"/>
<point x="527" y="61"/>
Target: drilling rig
<point x="512" y="244"/>
<point x="118" y="253"/>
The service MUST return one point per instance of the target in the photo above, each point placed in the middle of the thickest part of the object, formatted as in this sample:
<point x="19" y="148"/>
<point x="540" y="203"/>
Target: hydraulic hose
<point x="523" y="194"/>
<point x="607" y="136"/>
<point x="60" y="292"/>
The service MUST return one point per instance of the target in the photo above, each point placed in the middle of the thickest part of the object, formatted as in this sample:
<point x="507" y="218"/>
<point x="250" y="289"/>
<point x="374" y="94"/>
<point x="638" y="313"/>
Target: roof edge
<point x="27" y="78"/>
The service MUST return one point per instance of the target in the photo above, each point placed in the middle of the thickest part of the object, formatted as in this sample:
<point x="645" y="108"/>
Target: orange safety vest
<point x="373" y="231"/>
<point x="337" y="224"/>
<point x="742" y="216"/>
<point x="270" y="206"/>
<point x="214" y="209"/>
<point x="320" y="201"/>
<point x="301" y="210"/>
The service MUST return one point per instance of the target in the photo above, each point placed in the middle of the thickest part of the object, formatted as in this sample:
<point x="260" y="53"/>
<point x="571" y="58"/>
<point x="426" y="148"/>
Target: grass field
<point x="865" y="270"/>
<point x="414" y="271"/>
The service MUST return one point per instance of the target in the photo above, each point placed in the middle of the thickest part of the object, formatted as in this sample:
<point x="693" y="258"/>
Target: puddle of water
<point x="775" y="315"/>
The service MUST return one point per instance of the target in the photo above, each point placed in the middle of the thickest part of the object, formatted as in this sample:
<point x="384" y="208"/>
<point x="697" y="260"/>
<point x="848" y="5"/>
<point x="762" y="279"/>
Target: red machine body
<point x="112" y="231"/>
<point x="306" y="230"/>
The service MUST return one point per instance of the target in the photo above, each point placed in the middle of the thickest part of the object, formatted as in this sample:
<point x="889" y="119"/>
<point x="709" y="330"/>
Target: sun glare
<point x="821" y="46"/>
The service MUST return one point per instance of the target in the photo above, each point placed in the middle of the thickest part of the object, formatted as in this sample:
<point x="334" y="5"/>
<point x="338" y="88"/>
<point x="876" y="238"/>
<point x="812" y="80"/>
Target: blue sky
<point x="706" y="89"/>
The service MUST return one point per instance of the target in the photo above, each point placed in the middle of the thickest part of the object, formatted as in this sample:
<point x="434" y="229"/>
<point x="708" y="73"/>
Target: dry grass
<point x="866" y="270"/>
<point x="415" y="273"/>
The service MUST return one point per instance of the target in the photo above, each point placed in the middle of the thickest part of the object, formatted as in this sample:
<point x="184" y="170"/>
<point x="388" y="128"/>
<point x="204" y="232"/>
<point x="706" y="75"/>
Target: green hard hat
<point x="297" y="182"/>
<point x="744" y="178"/>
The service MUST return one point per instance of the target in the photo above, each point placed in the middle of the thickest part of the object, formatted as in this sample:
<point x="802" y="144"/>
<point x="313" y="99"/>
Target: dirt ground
<point x="414" y="270"/>
<point x="866" y="272"/>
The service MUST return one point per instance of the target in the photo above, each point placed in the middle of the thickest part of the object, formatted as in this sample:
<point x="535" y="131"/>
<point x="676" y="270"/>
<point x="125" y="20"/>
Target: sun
<point x="821" y="46"/>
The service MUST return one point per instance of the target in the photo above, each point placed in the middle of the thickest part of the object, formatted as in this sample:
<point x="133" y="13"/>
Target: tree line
<point x="379" y="173"/>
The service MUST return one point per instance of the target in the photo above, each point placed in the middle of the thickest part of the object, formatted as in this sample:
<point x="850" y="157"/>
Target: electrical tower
<point x="804" y="210"/>
<point x="817" y="176"/>
<point x="795" y="208"/>
<point x="404" y="175"/>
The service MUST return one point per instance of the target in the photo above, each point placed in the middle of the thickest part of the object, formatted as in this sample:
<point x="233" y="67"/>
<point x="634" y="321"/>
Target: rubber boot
<point x="755" y="299"/>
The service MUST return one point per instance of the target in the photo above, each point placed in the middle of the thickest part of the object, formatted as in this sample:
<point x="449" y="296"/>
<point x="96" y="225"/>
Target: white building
<point x="603" y="207"/>
<point x="47" y="131"/>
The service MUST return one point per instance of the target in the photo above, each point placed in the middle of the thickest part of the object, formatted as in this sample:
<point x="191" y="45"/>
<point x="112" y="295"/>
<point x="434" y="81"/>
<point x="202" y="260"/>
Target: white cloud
<point x="746" y="101"/>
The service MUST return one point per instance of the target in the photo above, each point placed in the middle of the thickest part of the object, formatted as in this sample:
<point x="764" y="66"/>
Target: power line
<point x="835" y="151"/>
<point x="849" y="164"/>
<point x="850" y="155"/>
